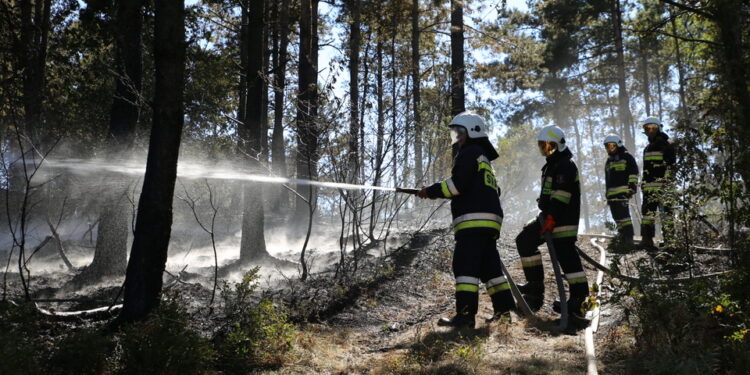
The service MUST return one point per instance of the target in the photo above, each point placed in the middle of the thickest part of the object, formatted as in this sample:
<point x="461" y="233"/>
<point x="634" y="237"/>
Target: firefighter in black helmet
<point x="658" y="163"/>
<point x="621" y="180"/>
<point x="560" y="203"/>
<point x="477" y="219"/>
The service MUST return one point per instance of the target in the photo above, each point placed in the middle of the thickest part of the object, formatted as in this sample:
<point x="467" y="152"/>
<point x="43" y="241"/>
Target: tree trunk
<point x="33" y="56"/>
<point x="148" y="257"/>
<point x="253" y="242"/>
<point x="416" y="99"/>
<point x="680" y="70"/>
<point x="458" y="71"/>
<point x="623" y="101"/>
<point x="307" y="107"/>
<point x="379" y="142"/>
<point x="110" y="256"/>
<point x="646" y="84"/>
<point x="264" y="152"/>
<point x="735" y="76"/>
<point x="278" y="153"/>
<point x="354" y="46"/>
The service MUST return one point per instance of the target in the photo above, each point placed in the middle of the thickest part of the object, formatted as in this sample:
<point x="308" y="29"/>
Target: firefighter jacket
<point x="472" y="188"/>
<point x="621" y="175"/>
<point x="561" y="193"/>
<point x="658" y="161"/>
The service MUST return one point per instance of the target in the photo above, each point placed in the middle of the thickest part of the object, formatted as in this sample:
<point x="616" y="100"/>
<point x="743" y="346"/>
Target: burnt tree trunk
<point x="253" y="242"/>
<point x="458" y="71"/>
<point x="35" y="25"/>
<point x="416" y="99"/>
<point x="354" y="44"/>
<point x="148" y="257"/>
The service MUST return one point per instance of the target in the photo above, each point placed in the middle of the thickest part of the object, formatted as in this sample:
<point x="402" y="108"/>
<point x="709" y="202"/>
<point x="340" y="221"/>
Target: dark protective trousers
<point x="476" y="259"/>
<point x="652" y="205"/>
<point x="621" y="216"/>
<point x="528" y="242"/>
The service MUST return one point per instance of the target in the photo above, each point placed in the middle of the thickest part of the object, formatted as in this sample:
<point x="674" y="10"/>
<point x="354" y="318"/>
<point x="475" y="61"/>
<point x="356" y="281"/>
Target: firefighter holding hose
<point x="477" y="219"/>
<point x="559" y="202"/>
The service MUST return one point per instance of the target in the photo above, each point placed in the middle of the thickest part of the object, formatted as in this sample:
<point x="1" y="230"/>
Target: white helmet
<point x="612" y="138"/>
<point x="473" y="123"/>
<point x="652" y="120"/>
<point x="552" y="133"/>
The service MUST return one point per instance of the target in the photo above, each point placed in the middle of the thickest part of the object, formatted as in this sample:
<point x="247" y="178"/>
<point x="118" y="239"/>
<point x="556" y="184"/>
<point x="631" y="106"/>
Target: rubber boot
<point x="533" y="293"/>
<point x="467" y="304"/>
<point x="502" y="304"/>
<point x="458" y="321"/>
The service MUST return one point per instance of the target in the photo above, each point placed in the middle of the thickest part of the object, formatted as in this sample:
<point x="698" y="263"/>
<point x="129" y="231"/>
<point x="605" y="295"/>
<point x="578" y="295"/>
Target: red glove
<point x="549" y="223"/>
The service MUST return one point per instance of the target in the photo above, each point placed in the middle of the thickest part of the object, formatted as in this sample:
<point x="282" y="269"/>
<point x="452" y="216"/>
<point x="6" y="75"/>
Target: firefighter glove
<point x="549" y="223"/>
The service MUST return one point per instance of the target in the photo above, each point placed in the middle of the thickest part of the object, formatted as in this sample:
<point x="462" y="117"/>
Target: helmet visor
<point x="611" y="147"/>
<point x="457" y="134"/>
<point x="547" y="148"/>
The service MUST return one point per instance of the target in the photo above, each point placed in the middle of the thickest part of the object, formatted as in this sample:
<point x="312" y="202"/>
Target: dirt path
<point x="392" y="329"/>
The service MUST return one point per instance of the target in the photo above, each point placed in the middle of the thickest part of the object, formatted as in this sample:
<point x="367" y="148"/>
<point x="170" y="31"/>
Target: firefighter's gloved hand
<point x="549" y="223"/>
<point x="422" y="193"/>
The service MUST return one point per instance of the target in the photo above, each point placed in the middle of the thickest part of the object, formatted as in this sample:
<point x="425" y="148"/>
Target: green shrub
<point x="83" y="352"/>
<point x="163" y="344"/>
<point x="23" y="350"/>
<point x="253" y="334"/>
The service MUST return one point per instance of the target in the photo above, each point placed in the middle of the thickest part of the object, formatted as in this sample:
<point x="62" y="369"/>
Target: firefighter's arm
<point x="632" y="170"/>
<point x="459" y="181"/>
<point x="562" y="191"/>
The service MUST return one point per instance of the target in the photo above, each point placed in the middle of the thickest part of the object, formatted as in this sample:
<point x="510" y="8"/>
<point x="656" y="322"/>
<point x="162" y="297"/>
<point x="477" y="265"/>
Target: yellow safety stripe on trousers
<point x="498" y="288"/>
<point x="467" y="288"/>
<point x="624" y="223"/>
<point x="565" y="231"/>
<point x="652" y="186"/>
<point x="562" y="196"/>
<point x="532" y="261"/>
<point x="633" y="178"/>
<point x="576" y="277"/>
<point x="467" y="280"/>
<point x="496" y="281"/>
<point x="478" y="224"/>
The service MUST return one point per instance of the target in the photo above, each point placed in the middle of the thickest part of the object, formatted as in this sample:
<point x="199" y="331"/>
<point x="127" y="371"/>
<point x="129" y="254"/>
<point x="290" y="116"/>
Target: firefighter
<point x="658" y="163"/>
<point x="559" y="202"/>
<point x="621" y="178"/>
<point x="477" y="219"/>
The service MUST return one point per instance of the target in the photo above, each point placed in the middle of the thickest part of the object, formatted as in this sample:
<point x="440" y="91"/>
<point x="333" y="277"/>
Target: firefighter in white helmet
<point x="559" y="202"/>
<point x="658" y="164"/>
<point x="477" y="219"/>
<point x="621" y="180"/>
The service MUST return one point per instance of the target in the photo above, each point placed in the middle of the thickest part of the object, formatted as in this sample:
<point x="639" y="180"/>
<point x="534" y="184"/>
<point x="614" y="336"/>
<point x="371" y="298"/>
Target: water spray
<point x="193" y="171"/>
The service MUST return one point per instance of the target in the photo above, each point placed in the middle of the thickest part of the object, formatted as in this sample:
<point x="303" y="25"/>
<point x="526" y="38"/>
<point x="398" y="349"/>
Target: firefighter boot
<point x="467" y="304"/>
<point x="533" y="293"/>
<point x="502" y="303"/>
<point x="458" y="321"/>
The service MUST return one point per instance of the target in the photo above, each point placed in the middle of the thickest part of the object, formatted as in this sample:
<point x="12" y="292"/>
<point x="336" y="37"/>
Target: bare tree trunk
<point x="33" y="56"/>
<point x="458" y="71"/>
<point x="307" y="107"/>
<point x="148" y="257"/>
<point x="379" y="142"/>
<point x="253" y="242"/>
<point x="680" y="71"/>
<point x="623" y="100"/>
<point x="354" y="46"/>
<point x="646" y="86"/>
<point x="416" y="88"/>
<point x="110" y="256"/>
<point x="278" y="153"/>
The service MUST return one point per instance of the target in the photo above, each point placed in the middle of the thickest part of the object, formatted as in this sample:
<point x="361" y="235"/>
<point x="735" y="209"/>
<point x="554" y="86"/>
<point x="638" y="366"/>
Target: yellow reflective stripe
<point x="561" y="195"/>
<point x="485" y="166"/>
<point x="498" y="288"/>
<point x="477" y="224"/>
<point x="624" y="224"/>
<point x="565" y="231"/>
<point x="477" y="216"/>
<point x="496" y="281"/>
<point x="532" y="261"/>
<point x="467" y="288"/>
<point x="452" y="187"/>
<point x="445" y="190"/>
<point x="578" y="280"/>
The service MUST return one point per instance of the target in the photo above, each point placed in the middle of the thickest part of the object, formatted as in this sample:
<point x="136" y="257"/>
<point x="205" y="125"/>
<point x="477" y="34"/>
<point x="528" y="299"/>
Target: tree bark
<point x="623" y="100"/>
<point x="646" y="84"/>
<point x="354" y="46"/>
<point x="307" y="107"/>
<point x="110" y="256"/>
<point x="33" y="58"/>
<point x="680" y="70"/>
<point x="278" y="153"/>
<point x="735" y="76"/>
<point x="458" y="71"/>
<point x="253" y="242"/>
<point x="380" y="137"/>
<point x="148" y="257"/>
<point x="416" y="97"/>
